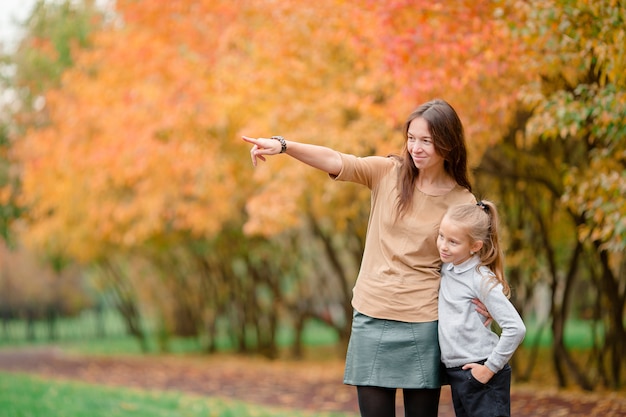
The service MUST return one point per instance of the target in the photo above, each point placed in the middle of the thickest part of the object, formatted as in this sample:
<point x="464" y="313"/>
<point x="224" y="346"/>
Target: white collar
<point x="465" y="266"/>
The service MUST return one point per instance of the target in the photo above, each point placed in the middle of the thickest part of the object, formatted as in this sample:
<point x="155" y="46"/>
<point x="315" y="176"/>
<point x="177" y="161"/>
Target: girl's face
<point x="421" y="147"/>
<point x="454" y="243"/>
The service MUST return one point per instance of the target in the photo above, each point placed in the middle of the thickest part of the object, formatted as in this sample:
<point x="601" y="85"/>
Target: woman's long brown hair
<point x="448" y="138"/>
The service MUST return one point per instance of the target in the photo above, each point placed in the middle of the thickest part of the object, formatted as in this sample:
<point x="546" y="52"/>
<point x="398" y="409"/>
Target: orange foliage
<point x="465" y="54"/>
<point x="350" y="83"/>
<point x="143" y="140"/>
<point x="127" y="156"/>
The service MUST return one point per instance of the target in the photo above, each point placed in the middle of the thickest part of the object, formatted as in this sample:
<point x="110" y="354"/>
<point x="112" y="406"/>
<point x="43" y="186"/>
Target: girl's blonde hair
<point x="481" y="221"/>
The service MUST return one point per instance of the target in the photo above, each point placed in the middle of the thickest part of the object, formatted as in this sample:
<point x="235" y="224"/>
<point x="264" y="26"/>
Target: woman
<point x="394" y="341"/>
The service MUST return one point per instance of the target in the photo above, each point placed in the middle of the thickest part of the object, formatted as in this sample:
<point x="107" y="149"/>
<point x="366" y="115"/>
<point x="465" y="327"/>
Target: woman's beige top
<point x="399" y="275"/>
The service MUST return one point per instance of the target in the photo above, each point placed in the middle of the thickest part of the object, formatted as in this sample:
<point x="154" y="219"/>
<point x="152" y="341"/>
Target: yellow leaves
<point x="272" y="211"/>
<point x="581" y="35"/>
<point x="125" y="158"/>
<point x="602" y="199"/>
<point x="142" y="141"/>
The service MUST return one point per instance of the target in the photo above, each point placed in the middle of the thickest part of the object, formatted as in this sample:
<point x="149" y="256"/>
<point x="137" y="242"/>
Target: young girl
<point x="476" y="359"/>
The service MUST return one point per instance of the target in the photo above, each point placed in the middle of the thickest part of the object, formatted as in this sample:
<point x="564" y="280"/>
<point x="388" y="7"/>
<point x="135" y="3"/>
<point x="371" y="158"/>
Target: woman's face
<point x="421" y="146"/>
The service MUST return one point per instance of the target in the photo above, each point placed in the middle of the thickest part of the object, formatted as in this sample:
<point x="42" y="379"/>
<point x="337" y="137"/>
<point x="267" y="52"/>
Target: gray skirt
<point x="393" y="354"/>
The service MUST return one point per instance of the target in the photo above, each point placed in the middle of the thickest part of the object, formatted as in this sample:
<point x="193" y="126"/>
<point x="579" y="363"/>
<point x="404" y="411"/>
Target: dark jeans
<point x="475" y="399"/>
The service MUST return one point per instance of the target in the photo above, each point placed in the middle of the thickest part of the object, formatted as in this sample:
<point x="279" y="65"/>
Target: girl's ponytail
<point x="491" y="253"/>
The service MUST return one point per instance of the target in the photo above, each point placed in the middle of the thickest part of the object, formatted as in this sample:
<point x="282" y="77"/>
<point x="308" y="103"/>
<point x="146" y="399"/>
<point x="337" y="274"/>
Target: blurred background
<point x="131" y="216"/>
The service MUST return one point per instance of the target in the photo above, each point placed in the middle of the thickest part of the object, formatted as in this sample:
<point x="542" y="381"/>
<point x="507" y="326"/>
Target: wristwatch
<point x="283" y="143"/>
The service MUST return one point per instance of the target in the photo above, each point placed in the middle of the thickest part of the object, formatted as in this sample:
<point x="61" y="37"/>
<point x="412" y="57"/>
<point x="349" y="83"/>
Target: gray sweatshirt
<point x="463" y="337"/>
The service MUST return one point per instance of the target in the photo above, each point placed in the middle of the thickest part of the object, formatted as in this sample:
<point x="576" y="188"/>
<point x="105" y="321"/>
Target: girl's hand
<point x="482" y="309"/>
<point x="262" y="147"/>
<point x="480" y="372"/>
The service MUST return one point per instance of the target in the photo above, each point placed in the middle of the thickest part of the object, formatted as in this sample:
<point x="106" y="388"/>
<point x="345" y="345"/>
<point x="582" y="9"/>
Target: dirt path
<point x="302" y="385"/>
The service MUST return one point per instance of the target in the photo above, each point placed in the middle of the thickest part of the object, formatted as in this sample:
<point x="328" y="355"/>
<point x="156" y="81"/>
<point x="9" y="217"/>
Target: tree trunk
<point x="559" y="337"/>
<point x="126" y="303"/>
<point x="616" y="333"/>
<point x="533" y="352"/>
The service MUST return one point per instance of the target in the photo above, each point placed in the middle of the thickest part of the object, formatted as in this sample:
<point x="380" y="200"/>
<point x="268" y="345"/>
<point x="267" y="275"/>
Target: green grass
<point x="79" y="334"/>
<point x="85" y="325"/>
<point x="578" y="334"/>
<point x="28" y="396"/>
<point x="315" y="335"/>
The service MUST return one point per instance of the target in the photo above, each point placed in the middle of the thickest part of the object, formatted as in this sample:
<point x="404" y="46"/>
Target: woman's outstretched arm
<point x="320" y="157"/>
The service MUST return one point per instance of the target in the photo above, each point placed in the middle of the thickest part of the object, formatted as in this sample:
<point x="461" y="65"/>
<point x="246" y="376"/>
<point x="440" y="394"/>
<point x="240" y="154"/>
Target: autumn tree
<point x="561" y="172"/>
<point x="48" y="293"/>
<point x="51" y="32"/>
<point x="139" y="169"/>
<point x="583" y="103"/>
<point x="36" y="284"/>
<point x="136" y="156"/>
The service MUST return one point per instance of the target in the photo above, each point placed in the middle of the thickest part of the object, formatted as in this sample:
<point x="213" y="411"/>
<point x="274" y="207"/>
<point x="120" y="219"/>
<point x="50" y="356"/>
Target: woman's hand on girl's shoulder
<point x="482" y="309"/>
